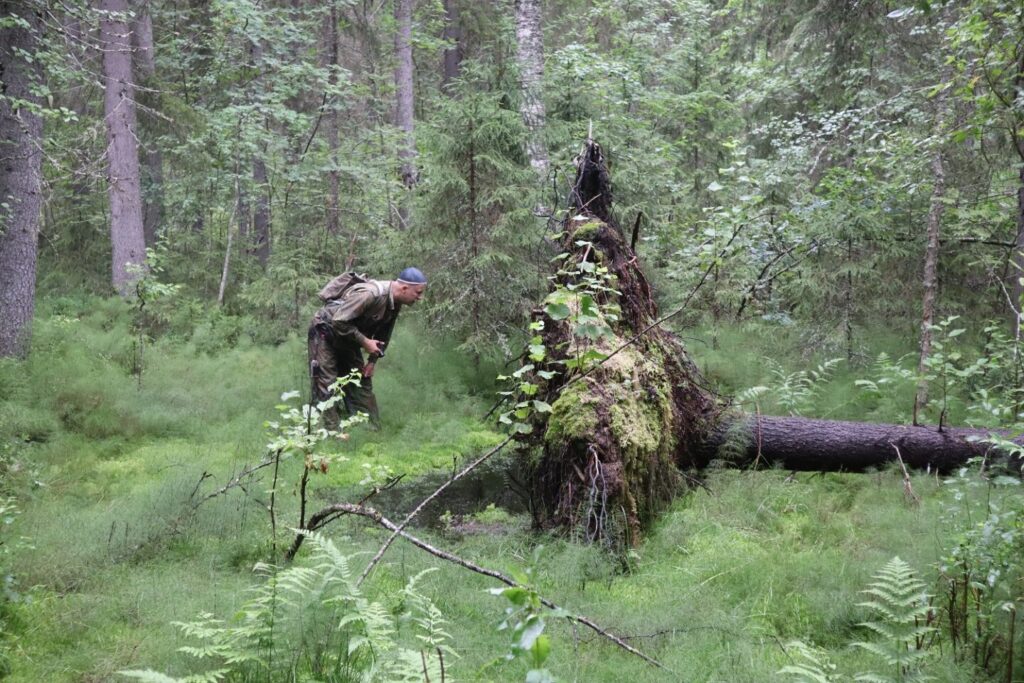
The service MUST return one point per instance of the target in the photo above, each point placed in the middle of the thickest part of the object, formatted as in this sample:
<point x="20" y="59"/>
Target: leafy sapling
<point x="525" y="620"/>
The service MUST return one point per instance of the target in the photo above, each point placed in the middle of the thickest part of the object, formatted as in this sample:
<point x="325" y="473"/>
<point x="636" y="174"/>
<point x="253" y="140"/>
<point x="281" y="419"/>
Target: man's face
<point x="407" y="294"/>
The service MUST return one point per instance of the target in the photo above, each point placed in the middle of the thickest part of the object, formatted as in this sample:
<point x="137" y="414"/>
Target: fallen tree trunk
<point x="627" y="410"/>
<point x="797" y="443"/>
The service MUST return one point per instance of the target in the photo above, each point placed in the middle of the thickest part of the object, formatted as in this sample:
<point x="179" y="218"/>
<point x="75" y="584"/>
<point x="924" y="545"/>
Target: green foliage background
<point x="779" y="157"/>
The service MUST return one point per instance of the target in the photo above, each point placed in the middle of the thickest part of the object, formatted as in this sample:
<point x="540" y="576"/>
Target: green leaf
<point x="539" y="676"/>
<point x="557" y="311"/>
<point x="540" y="650"/>
<point x="534" y="630"/>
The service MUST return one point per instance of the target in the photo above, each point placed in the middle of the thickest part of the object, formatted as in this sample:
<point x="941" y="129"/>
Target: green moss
<point x="573" y="415"/>
<point x="637" y="426"/>
<point x="588" y="230"/>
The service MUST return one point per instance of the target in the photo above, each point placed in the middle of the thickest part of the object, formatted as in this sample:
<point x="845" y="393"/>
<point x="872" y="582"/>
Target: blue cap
<point x="412" y="276"/>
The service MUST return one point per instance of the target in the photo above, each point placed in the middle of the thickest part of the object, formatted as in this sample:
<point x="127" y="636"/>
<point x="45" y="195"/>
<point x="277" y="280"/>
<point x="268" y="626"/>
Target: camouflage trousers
<point x="329" y="359"/>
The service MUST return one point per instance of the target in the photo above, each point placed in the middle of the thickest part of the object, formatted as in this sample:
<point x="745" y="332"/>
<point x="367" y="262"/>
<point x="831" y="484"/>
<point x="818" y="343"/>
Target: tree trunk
<point x="1017" y="269"/>
<point x="331" y="40"/>
<point x="452" y="64"/>
<point x="931" y="267"/>
<point x="404" y="101"/>
<point x="261" y="213"/>
<point x="21" y="132"/>
<point x="614" y="435"/>
<point x="797" y="443"/>
<point x="126" y="229"/>
<point x="152" y="159"/>
<point x="530" y="57"/>
<point x="1017" y="259"/>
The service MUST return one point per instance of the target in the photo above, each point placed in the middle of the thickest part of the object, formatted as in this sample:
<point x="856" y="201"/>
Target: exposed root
<point x="620" y="429"/>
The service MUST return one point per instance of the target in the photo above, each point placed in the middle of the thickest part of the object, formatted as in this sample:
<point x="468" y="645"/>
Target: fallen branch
<point x="377" y="517"/>
<point x="235" y="482"/>
<point x="405" y="522"/>
<point x="908" y="489"/>
<point x="329" y="514"/>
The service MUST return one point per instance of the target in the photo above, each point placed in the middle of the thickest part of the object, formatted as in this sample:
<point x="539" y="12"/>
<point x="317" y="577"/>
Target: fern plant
<point x="902" y="616"/>
<point x="311" y="623"/>
<point x="811" y="665"/>
<point x="794" y="392"/>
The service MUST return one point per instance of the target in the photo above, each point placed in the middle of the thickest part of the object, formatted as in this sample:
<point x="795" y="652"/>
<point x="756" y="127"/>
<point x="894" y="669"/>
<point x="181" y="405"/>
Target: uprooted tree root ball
<point x="621" y="425"/>
<point x="626" y="411"/>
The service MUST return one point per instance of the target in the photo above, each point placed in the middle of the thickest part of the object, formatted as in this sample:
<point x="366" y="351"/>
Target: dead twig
<point x="235" y="482"/>
<point x="328" y="515"/>
<point x="908" y="489"/>
<point x="408" y="518"/>
<point x="379" y="519"/>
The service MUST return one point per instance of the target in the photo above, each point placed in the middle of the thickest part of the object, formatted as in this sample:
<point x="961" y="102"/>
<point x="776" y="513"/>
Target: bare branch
<point x="387" y="544"/>
<point x="378" y="518"/>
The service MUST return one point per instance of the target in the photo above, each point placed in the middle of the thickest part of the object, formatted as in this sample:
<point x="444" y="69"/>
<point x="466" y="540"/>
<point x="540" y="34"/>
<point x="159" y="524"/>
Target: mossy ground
<point x="98" y="463"/>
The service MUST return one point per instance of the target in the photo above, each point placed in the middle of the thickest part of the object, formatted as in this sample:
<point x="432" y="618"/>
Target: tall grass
<point x="102" y="464"/>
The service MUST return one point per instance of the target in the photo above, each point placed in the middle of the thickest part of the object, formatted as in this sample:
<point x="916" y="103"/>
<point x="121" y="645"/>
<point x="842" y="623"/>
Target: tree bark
<point x="530" y="58"/>
<point x="451" y="65"/>
<point x="21" y="132"/>
<point x="127" y="237"/>
<point x="1017" y="269"/>
<point x="225" y="267"/>
<point x="1017" y="260"/>
<point x="152" y="158"/>
<point x="931" y="269"/>
<point x="805" y="444"/>
<point x="332" y="60"/>
<point x="404" y="101"/>
<point x="261" y="213"/>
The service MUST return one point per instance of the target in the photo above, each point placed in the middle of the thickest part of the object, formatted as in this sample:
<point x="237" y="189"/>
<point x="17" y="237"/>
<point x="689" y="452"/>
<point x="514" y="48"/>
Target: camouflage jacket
<point x="366" y="311"/>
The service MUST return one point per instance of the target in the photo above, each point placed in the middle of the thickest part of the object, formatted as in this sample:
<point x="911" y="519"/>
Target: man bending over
<point x="361" y="319"/>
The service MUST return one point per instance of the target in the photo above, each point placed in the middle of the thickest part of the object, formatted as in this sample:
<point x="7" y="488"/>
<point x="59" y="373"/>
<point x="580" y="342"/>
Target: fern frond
<point x="150" y="676"/>
<point x="899" y="606"/>
<point x="814" y="667"/>
<point x="806" y="673"/>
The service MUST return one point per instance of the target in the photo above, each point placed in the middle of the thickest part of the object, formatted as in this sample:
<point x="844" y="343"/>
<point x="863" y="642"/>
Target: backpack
<point x="337" y="287"/>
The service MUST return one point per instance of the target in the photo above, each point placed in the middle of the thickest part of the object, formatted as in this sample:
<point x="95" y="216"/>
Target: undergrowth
<point x="99" y="463"/>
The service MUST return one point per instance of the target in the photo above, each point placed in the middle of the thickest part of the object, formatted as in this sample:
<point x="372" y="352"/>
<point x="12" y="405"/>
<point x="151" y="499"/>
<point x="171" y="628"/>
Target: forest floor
<point x="99" y="462"/>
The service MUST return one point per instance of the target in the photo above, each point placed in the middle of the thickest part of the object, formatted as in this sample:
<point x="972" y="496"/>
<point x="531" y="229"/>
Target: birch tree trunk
<point x="530" y="57"/>
<point x="123" y="187"/>
<point x="931" y="268"/>
<point x="21" y="133"/>
<point x="152" y="158"/>
<point x="404" y="101"/>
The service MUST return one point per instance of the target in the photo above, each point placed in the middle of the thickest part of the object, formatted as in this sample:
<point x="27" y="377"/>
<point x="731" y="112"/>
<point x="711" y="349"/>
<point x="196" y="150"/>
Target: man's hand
<point x="372" y="346"/>
<point x="368" y="370"/>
